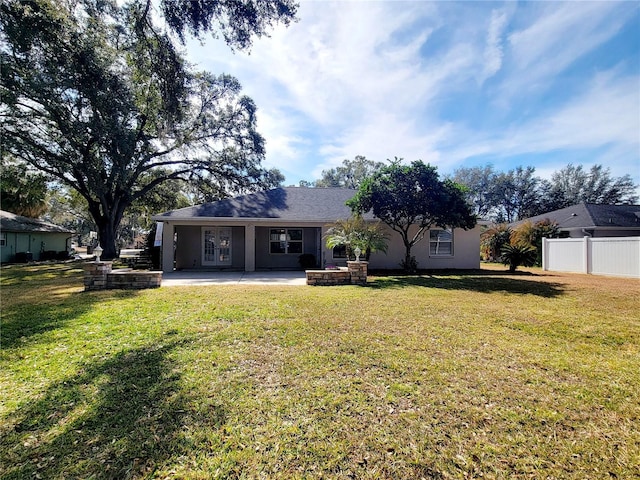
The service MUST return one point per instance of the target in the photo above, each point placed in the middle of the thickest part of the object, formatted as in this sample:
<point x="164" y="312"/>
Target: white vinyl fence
<point x="617" y="256"/>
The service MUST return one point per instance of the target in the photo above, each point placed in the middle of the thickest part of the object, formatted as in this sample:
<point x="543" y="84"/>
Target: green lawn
<point x="533" y="375"/>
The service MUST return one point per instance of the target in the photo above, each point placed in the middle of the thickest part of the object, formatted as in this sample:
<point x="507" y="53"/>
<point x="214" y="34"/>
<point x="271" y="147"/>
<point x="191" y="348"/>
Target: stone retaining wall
<point x="98" y="276"/>
<point x="329" y="277"/>
<point x="355" y="273"/>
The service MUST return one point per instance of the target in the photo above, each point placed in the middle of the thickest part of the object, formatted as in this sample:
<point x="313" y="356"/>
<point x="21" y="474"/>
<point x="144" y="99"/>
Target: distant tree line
<point x="508" y="196"/>
<point x="519" y="193"/>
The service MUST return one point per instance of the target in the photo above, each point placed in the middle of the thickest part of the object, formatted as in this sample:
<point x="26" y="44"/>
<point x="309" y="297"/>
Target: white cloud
<point x="607" y="113"/>
<point x="562" y="32"/>
<point x="605" y="116"/>
<point x="380" y="78"/>
<point x="493" y="49"/>
<point x="385" y="137"/>
<point x="559" y="34"/>
<point x="348" y="74"/>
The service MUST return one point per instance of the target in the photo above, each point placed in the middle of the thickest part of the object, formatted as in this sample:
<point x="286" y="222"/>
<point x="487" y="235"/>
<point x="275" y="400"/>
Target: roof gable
<point x="289" y="203"/>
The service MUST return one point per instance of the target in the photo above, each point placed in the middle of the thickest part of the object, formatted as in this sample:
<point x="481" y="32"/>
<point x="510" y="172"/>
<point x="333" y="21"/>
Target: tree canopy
<point x="22" y="191"/>
<point x="237" y="21"/>
<point x="98" y="97"/>
<point x="350" y="174"/>
<point x="411" y="199"/>
<point x="573" y="184"/>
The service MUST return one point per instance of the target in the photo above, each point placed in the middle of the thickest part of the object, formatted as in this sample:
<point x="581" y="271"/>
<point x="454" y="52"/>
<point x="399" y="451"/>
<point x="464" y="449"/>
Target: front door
<point x="216" y="246"/>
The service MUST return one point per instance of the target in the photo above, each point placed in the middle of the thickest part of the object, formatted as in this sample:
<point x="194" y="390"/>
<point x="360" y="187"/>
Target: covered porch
<point x="240" y="247"/>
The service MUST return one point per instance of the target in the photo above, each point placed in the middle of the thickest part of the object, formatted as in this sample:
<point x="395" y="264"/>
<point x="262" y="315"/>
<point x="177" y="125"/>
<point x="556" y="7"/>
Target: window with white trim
<point x="441" y="243"/>
<point x="3" y="239"/>
<point x="285" y="241"/>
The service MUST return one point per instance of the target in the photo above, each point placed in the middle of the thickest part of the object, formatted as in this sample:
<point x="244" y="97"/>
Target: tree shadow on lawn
<point x="24" y="321"/>
<point x="474" y="280"/>
<point x="119" y="418"/>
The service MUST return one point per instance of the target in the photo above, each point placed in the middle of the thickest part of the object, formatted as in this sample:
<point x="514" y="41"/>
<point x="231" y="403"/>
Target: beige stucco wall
<point x="466" y="252"/>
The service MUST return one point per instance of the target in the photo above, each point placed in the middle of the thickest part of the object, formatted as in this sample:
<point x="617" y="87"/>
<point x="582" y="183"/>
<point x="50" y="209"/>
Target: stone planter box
<point x="99" y="276"/>
<point x="355" y="273"/>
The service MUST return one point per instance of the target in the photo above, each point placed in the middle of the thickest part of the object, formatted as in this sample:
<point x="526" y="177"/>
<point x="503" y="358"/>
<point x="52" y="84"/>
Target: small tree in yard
<point x="525" y="246"/>
<point x="356" y="232"/>
<point x="411" y="199"/>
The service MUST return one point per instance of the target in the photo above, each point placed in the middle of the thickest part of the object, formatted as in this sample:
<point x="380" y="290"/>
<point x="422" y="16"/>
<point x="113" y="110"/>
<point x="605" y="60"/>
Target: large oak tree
<point x="97" y="96"/>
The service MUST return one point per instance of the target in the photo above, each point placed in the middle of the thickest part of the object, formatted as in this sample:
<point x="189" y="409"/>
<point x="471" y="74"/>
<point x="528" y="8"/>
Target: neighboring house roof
<point x="593" y="216"/>
<point x="10" y="222"/>
<point x="288" y="204"/>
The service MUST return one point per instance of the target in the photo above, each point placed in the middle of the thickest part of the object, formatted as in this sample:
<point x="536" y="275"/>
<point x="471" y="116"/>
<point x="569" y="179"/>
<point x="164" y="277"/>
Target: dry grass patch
<point x="532" y="375"/>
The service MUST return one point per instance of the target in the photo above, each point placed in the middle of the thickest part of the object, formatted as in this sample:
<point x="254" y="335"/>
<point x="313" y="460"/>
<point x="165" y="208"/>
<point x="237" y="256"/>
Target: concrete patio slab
<point x="182" y="278"/>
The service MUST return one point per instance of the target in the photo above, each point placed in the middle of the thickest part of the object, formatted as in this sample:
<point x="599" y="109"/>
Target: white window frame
<point x="436" y="243"/>
<point x="3" y="239"/>
<point x="282" y="236"/>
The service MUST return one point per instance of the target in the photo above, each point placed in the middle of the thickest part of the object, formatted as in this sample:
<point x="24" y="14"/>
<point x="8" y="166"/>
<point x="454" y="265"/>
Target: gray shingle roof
<point x="10" y="222"/>
<point x="591" y="215"/>
<point x="289" y="204"/>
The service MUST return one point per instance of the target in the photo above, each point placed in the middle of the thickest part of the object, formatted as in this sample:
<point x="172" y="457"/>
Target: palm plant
<point x="519" y="254"/>
<point x="356" y="232"/>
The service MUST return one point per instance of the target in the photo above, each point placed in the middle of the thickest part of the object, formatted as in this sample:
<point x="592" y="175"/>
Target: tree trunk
<point x="107" y="239"/>
<point x="107" y="223"/>
<point x="408" y="264"/>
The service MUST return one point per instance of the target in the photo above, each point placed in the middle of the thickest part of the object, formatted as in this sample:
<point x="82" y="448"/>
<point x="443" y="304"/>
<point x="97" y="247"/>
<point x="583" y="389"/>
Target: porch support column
<point x="168" y="230"/>
<point x="250" y="248"/>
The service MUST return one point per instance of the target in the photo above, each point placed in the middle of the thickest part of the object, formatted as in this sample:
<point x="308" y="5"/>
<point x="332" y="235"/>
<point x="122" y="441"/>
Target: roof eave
<point x="239" y="220"/>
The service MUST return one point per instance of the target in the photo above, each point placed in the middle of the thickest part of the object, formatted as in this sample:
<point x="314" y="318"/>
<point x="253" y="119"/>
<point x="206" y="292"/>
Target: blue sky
<point x="455" y="84"/>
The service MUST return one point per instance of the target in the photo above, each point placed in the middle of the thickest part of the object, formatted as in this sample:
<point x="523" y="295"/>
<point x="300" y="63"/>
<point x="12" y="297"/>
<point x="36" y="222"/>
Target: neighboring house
<point x="23" y="238"/>
<point x="270" y="230"/>
<point x="592" y="220"/>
